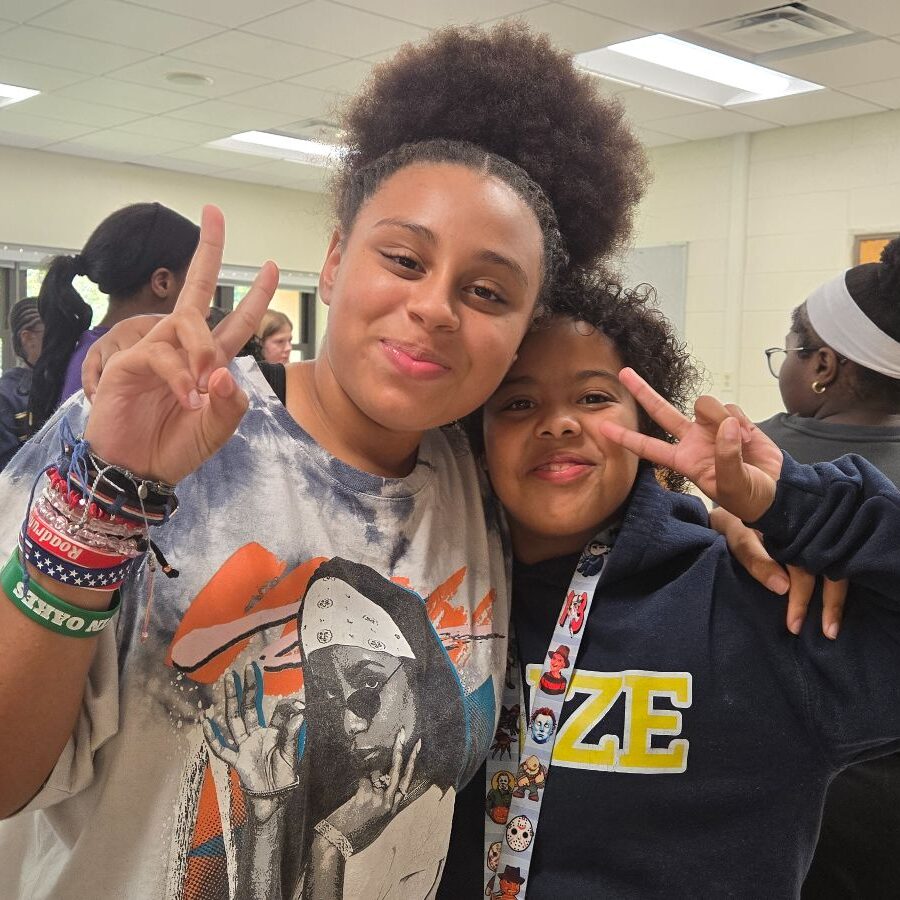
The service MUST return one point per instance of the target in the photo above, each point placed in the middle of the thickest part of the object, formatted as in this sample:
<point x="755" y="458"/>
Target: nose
<point x="432" y="303"/>
<point x="354" y="724"/>
<point x="558" y="423"/>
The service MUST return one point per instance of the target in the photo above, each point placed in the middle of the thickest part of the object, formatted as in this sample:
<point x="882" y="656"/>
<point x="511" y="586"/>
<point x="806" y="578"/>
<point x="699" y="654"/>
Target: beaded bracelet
<point x="49" y="611"/>
<point x="336" y="838"/>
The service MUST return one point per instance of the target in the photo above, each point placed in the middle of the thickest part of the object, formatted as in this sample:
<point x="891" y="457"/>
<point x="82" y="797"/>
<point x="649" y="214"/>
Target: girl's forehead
<point x="568" y="342"/>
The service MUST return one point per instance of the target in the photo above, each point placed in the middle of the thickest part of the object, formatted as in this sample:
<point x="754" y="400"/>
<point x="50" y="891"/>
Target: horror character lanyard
<point x="515" y="792"/>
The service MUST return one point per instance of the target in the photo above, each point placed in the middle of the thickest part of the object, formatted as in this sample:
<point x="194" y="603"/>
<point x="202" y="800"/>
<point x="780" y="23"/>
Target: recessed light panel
<point x="11" y="93"/>
<point x="686" y="70"/>
<point x="280" y="146"/>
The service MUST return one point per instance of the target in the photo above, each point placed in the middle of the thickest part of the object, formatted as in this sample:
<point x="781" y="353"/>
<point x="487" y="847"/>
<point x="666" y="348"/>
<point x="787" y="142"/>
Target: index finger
<point x="661" y="411"/>
<point x="242" y="322"/>
<point x="203" y="272"/>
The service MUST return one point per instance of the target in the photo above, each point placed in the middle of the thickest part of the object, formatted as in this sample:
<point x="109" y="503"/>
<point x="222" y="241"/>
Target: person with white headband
<point x="839" y="376"/>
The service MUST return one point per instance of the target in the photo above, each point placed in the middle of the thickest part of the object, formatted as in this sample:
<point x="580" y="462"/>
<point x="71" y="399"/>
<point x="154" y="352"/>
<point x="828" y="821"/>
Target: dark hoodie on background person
<point x="699" y="736"/>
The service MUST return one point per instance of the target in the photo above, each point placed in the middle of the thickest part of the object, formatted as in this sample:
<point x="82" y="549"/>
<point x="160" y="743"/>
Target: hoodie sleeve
<point x="839" y="519"/>
<point x="842" y="520"/>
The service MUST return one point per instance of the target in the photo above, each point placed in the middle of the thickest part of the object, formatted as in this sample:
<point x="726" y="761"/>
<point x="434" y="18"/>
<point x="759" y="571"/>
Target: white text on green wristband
<point x="51" y="612"/>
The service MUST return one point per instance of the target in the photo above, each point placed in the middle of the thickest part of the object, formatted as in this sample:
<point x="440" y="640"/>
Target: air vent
<point x="781" y="28"/>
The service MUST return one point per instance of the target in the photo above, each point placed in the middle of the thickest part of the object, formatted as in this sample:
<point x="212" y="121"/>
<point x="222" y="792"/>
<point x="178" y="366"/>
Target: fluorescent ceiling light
<point x="664" y="63"/>
<point x="11" y="93"/>
<point x="280" y="146"/>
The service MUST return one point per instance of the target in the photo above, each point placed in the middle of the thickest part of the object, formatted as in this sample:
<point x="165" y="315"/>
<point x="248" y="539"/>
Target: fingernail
<point x="745" y="434"/>
<point x="831" y="632"/>
<point x="795" y="625"/>
<point x="732" y="429"/>
<point x="203" y="381"/>
<point x="778" y="584"/>
<point x="402" y="736"/>
<point x="194" y="400"/>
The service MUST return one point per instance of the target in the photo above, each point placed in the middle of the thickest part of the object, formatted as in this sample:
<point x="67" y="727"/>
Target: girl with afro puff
<point x="140" y="763"/>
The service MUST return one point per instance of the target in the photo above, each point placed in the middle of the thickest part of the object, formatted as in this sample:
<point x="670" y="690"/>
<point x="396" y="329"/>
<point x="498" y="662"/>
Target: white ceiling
<point x="101" y="67"/>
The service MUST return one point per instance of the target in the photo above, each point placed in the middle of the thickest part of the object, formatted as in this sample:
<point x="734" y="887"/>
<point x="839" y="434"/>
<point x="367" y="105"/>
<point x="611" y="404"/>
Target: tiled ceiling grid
<point x="101" y="66"/>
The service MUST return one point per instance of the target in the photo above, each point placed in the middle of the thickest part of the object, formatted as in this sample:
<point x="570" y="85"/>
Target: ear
<point x="827" y="366"/>
<point x="162" y="283"/>
<point x="330" y="267"/>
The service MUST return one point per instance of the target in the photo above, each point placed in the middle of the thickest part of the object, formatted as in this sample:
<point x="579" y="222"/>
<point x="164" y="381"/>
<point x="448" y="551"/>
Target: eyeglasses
<point x="775" y="356"/>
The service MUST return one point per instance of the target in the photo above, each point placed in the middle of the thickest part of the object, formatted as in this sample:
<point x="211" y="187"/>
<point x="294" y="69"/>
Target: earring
<point x="818" y="388"/>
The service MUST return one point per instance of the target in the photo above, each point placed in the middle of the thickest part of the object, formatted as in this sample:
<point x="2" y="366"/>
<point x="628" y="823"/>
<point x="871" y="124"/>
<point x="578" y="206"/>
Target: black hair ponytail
<point x="65" y="316"/>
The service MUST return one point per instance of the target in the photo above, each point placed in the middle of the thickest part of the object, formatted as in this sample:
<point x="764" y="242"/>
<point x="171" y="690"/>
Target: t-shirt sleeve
<point x="98" y="719"/>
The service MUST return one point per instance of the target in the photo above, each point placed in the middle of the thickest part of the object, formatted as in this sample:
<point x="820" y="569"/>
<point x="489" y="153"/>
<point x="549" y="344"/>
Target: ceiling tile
<point x="576" y="30"/>
<point x="23" y="10"/>
<point x="66" y="51"/>
<point x="178" y="129"/>
<point x="644" y="106"/>
<point x="133" y="145"/>
<point x="858" y="64"/>
<point x="666" y="15"/>
<point x="52" y="106"/>
<point x="138" y="97"/>
<point x="435" y="13"/>
<point x="5" y="26"/>
<point x="327" y="26"/>
<point x="877" y="16"/>
<point x="38" y="131"/>
<point x="656" y="138"/>
<point x="237" y="118"/>
<point x="230" y="13"/>
<point x="217" y="159"/>
<point x="884" y="93"/>
<point x="295" y="99"/>
<point x="178" y="165"/>
<point x="152" y="72"/>
<point x="74" y="148"/>
<point x="344" y="78"/>
<point x="710" y="124"/>
<point x="817" y="106"/>
<point x="257" y="55"/>
<point x="35" y="76"/>
<point x="121" y="23"/>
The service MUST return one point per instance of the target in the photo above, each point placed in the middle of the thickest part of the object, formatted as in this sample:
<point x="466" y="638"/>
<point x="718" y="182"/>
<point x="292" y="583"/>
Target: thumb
<point x="743" y="490"/>
<point x="226" y="408"/>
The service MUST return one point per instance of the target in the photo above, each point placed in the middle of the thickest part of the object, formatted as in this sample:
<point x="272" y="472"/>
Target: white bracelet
<point x="334" y="837"/>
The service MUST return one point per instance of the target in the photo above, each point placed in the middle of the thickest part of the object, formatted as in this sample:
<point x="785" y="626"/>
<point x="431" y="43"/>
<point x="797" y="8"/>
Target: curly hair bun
<point x="512" y="93"/>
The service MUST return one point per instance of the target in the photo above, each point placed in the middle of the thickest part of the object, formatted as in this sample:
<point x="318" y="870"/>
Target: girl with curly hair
<point x="478" y="164"/>
<point x="698" y="737"/>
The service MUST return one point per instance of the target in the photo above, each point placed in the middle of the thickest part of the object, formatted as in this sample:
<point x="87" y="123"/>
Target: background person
<point x="839" y="376"/>
<point x="138" y="255"/>
<point x="15" y="384"/>
<point x="274" y="334"/>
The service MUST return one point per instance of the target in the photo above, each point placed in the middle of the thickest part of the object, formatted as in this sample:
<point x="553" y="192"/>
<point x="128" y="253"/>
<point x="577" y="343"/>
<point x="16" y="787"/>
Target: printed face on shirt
<point x="430" y="294"/>
<point x="559" y="478"/>
<point x="369" y="696"/>
<point x="542" y="728"/>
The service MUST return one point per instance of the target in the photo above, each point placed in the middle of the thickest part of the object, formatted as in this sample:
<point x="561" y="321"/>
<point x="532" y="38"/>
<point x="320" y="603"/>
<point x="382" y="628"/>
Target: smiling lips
<point x="415" y="361"/>
<point x="562" y="468"/>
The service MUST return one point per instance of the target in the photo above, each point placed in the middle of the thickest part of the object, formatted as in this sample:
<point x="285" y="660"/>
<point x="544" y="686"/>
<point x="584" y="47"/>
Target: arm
<point x="162" y="408"/>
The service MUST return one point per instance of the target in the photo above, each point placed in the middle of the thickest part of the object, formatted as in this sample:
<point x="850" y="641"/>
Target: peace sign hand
<point x="165" y="405"/>
<point x="720" y="450"/>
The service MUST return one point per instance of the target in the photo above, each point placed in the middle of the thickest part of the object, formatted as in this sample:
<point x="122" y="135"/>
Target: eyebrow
<point x="489" y="256"/>
<point x="583" y="375"/>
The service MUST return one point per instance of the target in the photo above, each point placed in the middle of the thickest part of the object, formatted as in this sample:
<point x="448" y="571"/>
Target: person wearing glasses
<point x="839" y="376"/>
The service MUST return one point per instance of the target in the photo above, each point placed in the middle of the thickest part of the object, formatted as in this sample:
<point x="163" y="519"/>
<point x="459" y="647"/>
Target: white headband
<point x="336" y="614"/>
<point x="842" y="325"/>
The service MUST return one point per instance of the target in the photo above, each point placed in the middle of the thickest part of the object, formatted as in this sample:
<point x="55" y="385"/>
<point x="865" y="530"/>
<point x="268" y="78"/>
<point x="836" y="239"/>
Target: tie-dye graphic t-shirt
<point x="294" y="713"/>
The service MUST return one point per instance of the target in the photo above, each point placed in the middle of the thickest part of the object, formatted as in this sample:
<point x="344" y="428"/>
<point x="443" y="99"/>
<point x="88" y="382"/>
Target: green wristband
<point x="49" y="611"/>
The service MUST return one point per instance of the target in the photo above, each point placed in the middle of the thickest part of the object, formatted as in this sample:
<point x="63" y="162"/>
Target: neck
<point x="325" y="411"/>
<point x="855" y="413"/>
<point x="532" y="547"/>
<point x="142" y="303"/>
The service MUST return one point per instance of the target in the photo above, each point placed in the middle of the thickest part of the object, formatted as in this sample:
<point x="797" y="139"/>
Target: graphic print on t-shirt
<point x="337" y="737"/>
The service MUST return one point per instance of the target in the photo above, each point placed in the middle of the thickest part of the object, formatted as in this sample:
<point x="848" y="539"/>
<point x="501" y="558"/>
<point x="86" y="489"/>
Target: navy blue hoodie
<point x="699" y="735"/>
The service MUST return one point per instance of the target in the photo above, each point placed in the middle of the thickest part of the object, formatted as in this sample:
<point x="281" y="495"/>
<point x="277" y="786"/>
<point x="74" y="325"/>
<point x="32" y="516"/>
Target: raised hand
<point x="166" y="404"/>
<point x="720" y="450"/>
<point x="263" y="755"/>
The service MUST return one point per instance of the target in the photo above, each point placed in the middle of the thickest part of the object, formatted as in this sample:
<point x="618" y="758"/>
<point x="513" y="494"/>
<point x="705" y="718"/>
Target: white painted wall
<point x="767" y="217"/>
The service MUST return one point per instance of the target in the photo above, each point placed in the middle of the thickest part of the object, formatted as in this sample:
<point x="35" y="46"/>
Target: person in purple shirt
<point x="139" y="256"/>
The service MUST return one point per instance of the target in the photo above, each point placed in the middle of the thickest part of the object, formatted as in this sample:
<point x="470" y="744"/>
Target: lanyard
<point x="515" y="785"/>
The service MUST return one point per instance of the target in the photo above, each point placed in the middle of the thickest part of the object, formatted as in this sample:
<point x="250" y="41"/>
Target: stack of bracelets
<point x="89" y="528"/>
